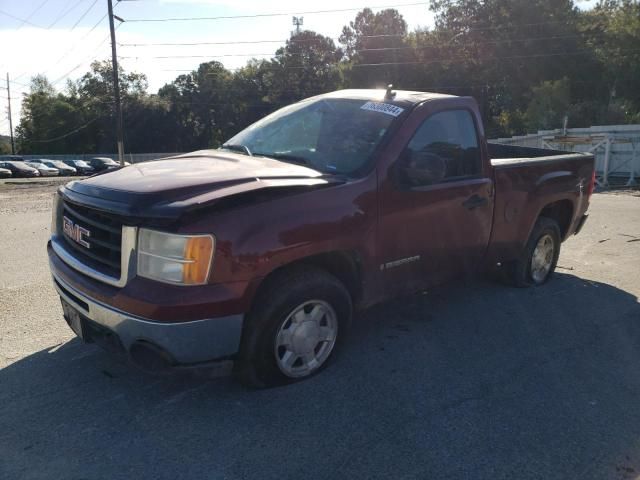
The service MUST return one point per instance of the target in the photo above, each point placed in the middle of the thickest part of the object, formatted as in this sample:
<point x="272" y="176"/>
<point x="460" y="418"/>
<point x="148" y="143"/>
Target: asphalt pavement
<point x="474" y="380"/>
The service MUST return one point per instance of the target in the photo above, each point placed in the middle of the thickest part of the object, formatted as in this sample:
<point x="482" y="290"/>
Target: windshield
<point x="330" y="135"/>
<point x="80" y="163"/>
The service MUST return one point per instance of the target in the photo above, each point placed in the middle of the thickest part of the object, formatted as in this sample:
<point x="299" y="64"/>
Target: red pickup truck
<point x="254" y="256"/>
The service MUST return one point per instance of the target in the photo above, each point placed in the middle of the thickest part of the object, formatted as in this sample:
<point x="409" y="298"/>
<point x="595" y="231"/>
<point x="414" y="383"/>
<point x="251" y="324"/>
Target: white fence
<point x="130" y="157"/>
<point x="616" y="147"/>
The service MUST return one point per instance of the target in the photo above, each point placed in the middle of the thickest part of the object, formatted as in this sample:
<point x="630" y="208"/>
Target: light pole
<point x="13" y="144"/>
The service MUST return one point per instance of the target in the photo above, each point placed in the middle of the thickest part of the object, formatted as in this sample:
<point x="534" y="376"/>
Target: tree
<point x="46" y="118"/>
<point x="548" y="106"/>
<point x="375" y="46"/>
<point x="305" y="66"/>
<point x="613" y="32"/>
<point x="199" y="106"/>
<point x="5" y="145"/>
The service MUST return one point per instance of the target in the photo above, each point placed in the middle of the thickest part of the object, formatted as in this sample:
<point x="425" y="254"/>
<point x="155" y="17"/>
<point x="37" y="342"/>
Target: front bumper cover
<point x="187" y="343"/>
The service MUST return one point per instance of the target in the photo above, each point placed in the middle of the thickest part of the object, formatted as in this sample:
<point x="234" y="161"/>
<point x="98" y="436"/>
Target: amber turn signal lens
<point x="198" y="252"/>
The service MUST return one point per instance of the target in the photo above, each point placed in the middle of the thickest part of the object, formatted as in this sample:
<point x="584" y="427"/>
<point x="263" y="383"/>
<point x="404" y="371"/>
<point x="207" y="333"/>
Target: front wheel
<point x="540" y="256"/>
<point x="294" y="328"/>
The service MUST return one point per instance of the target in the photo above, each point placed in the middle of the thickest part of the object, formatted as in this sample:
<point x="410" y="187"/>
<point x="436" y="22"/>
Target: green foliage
<point x="5" y="145"/>
<point x="527" y="62"/>
<point x="548" y="106"/>
<point x="373" y="44"/>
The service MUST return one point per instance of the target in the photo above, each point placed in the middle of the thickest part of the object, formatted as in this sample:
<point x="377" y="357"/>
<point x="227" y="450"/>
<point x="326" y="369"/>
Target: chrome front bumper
<point x="191" y="342"/>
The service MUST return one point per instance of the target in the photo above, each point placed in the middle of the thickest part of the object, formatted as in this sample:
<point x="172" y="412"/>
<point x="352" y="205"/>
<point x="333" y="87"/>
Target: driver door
<point x="436" y="205"/>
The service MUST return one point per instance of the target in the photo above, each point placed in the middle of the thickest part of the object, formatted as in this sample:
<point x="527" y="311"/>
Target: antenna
<point x="390" y="93"/>
<point x="298" y="22"/>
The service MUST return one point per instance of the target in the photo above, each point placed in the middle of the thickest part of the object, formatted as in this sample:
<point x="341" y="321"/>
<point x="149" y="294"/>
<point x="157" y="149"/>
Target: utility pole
<point x="116" y="85"/>
<point x="13" y="144"/>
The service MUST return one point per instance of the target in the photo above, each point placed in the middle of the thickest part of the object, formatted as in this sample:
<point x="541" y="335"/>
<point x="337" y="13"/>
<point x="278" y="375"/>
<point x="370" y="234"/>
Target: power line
<point x="63" y="14"/>
<point x="80" y="40"/>
<point x="75" y="43"/>
<point x="242" y="42"/>
<point x="311" y="12"/>
<point x="510" y="57"/>
<point x="293" y="40"/>
<point x="73" y="108"/>
<point x="519" y="25"/>
<point x="35" y="10"/>
<point x="83" y="15"/>
<point x="84" y="61"/>
<point x="261" y="15"/>
<point x="358" y="51"/>
<point x="202" y="56"/>
<point x="74" y="47"/>
<point x="75" y="130"/>
<point x="19" y="83"/>
<point x="23" y="20"/>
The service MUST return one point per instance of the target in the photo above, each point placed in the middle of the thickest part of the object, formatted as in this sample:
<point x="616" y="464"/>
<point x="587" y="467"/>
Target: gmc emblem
<point x="75" y="232"/>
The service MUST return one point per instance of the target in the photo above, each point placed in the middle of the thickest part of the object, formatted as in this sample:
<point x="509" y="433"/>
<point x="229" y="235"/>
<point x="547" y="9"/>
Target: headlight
<point x="171" y="258"/>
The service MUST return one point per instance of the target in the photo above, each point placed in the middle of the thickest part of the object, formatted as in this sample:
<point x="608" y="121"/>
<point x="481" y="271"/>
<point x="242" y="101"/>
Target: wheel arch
<point x="346" y="266"/>
<point x="562" y="212"/>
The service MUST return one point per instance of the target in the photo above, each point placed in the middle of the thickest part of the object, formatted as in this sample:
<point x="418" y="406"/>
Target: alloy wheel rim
<point x="542" y="258"/>
<point x="306" y="338"/>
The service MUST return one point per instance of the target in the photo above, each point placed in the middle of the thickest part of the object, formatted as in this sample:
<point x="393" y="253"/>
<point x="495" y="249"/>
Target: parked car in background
<point x="44" y="170"/>
<point x="5" y="173"/>
<point x="103" y="163"/>
<point x="20" y="169"/>
<point x="82" y="167"/>
<point x="63" y="168"/>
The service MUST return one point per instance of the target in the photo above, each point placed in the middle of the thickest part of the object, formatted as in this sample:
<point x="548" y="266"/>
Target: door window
<point x="445" y="147"/>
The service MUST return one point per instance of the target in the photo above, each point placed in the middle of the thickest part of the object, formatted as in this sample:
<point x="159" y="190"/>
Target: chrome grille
<point x="101" y="247"/>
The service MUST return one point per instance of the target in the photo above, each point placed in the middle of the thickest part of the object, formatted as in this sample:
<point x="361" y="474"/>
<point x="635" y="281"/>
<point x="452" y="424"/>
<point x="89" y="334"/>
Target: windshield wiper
<point x="286" y="157"/>
<point x="237" y="148"/>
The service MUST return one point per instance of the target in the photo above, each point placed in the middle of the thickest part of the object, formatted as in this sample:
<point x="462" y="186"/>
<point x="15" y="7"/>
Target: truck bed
<point x="528" y="180"/>
<point x="502" y="155"/>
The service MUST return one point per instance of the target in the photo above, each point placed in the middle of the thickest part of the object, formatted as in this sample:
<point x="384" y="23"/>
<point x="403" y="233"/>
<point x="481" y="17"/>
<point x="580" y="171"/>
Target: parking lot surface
<point x="474" y="380"/>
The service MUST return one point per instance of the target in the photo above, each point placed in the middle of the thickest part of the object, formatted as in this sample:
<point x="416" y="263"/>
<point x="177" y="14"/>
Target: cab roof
<point x="403" y="98"/>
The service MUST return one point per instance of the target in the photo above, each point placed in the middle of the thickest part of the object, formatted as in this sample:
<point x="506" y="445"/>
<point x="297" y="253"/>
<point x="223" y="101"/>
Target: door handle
<point x="475" y="201"/>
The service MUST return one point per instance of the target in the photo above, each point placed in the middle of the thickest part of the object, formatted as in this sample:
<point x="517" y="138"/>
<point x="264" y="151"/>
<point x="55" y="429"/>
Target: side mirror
<point x="420" y="168"/>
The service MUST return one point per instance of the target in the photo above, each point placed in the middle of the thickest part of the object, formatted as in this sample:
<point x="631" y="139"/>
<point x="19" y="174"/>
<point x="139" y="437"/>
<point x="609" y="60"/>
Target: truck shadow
<point x="473" y="380"/>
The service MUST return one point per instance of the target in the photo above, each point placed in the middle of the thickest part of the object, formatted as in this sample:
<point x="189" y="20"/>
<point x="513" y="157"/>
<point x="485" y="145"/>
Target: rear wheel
<point x="540" y="256"/>
<point x="294" y="328"/>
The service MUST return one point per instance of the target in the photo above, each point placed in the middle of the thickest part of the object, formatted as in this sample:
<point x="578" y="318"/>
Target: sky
<point x="60" y="38"/>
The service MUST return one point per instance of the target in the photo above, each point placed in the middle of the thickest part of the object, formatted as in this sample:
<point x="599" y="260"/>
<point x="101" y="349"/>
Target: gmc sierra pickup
<point x="253" y="257"/>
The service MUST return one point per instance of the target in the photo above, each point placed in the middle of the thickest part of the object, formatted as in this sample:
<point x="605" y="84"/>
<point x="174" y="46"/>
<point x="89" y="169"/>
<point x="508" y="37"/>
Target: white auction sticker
<point x="383" y="108"/>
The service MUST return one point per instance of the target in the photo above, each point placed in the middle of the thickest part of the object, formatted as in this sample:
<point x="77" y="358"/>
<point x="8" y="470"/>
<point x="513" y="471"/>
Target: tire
<point x="296" y="309"/>
<point x="523" y="272"/>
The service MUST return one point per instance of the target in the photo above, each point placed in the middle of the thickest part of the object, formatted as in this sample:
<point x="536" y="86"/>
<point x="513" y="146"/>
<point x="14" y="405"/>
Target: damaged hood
<point x="167" y="188"/>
